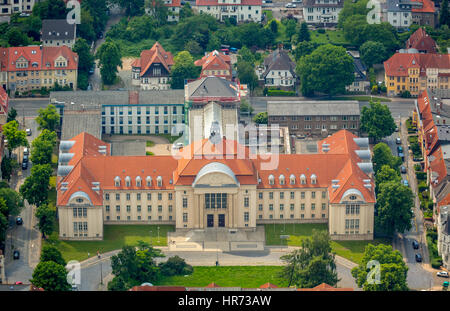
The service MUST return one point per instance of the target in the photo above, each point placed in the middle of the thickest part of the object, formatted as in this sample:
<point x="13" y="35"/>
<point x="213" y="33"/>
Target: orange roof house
<point x="422" y="42"/>
<point x="215" y="64"/>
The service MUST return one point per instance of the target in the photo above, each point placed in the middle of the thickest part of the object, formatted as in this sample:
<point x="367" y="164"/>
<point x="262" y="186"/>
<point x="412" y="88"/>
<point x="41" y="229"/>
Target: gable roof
<point x="278" y="60"/>
<point x="57" y="29"/>
<point x="217" y="2"/>
<point x="4" y="101"/>
<point x="421" y="41"/>
<point x="156" y="54"/>
<point x="399" y="63"/>
<point x="215" y="61"/>
<point x="211" y="88"/>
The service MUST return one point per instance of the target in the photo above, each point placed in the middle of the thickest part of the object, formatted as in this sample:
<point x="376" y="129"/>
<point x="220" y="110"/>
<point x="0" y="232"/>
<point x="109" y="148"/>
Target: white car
<point x="289" y="5"/>
<point x="443" y="274"/>
<point x="28" y="132"/>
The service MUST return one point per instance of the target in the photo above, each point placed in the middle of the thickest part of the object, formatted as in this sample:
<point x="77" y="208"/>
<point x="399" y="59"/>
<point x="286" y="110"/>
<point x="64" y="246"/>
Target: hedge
<point x="421" y="175"/>
<point x="280" y="93"/>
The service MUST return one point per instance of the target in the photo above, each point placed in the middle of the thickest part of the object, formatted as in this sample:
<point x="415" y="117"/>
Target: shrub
<point x="175" y="266"/>
<point x="417" y="167"/>
<point x="280" y="93"/>
<point x="321" y="30"/>
<point x="422" y="186"/>
<point x="436" y="263"/>
<point x="421" y="175"/>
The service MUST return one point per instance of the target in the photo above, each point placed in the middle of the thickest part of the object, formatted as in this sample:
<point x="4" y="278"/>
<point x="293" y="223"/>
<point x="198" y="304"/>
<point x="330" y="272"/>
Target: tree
<point x="132" y="7"/>
<point x="3" y="219"/>
<point x="186" y="11"/>
<point x="46" y="214"/>
<point x="50" y="9"/>
<point x="158" y="10"/>
<point x="16" y="37"/>
<point x="382" y="155"/>
<point x="50" y="276"/>
<point x="245" y="107"/>
<point x="291" y="26"/>
<point x="35" y="187"/>
<point x="247" y="75"/>
<point x="42" y="147"/>
<point x="246" y="55"/>
<point x="352" y="9"/>
<point x="182" y="69"/>
<point x="15" y="137"/>
<point x="273" y="26"/>
<point x="12" y="114"/>
<point x="304" y="34"/>
<point x="7" y="166"/>
<point x="109" y="57"/>
<point x="392" y="271"/>
<point x="13" y="201"/>
<point x="328" y="69"/>
<point x="372" y="53"/>
<point x="260" y="118"/>
<point x="385" y="174"/>
<point x="85" y="58"/>
<point x="133" y="266"/>
<point x="51" y="253"/>
<point x="175" y="266"/>
<point x="394" y="204"/>
<point x="48" y="118"/>
<point x="444" y="16"/>
<point x="312" y="264"/>
<point x="377" y="121"/>
<point x="304" y="48"/>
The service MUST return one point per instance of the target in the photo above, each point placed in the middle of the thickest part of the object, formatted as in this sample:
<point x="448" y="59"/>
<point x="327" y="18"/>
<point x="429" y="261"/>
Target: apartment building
<point x="173" y="7"/>
<point x="421" y="42"/>
<point x="151" y="71"/>
<point x="402" y="13"/>
<point x="58" y="32"/>
<point x="8" y="7"/>
<point x="239" y="10"/>
<point x="213" y="185"/>
<point x="33" y="67"/>
<point x="314" y="118"/>
<point x="416" y="72"/>
<point x="322" y="12"/>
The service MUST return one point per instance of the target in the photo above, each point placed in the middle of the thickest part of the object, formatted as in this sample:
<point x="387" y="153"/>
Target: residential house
<point x="361" y="82"/>
<point x="422" y="42"/>
<point x="33" y="67"/>
<point x="58" y="32"/>
<point x="424" y="13"/>
<point x="9" y="7"/>
<point x="216" y="64"/>
<point x="4" y="103"/>
<point x="173" y="7"/>
<point x="443" y="228"/>
<point x="278" y="70"/>
<point x="239" y="10"/>
<point x="415" y="72"/>
<point x="314" y="118"/>
<point x="216" y="184"/>
<point x="151" y="71"/>
<point x="322" y="12"/>
<point x="402" y="13"/>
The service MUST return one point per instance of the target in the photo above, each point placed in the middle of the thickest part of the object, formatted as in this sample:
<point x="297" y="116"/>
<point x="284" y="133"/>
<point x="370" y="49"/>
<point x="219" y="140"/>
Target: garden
<point x="415" y="147"/>
<point x="432" y="236"/>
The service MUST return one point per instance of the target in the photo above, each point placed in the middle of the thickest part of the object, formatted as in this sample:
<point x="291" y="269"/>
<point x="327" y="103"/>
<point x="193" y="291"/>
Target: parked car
<point x="418" y="257"/>
<point x="19" y="220"/>
<point x="24" y="165"/>
<point x="18" y="283"/>
<point x="26" y="151"/>
<point x="400" y="149"/>
<point x="289" y="5"/>
<point x="92" y="70"/>
<point x="396" y="129"/>
<point x="16" y="255"/>
<point x="415" y="244"/>
<point x="25" y="158"/>
<point x="398" y="141"/>
<point x="443" y="274"/>
<point x="405" y="182"/>
<point x="401" y="155"/>
<point x="403" y="170"/>
<point x="28" y="132"/>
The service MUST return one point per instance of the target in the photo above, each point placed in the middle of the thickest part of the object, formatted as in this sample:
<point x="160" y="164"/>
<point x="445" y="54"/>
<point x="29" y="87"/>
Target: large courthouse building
<point x="216" y="185"/>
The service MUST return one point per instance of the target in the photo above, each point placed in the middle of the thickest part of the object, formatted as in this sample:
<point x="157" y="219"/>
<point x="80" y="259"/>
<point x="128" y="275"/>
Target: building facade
<point x="213" y="185"/>
<point x="278" y="70"/>
<point x="151" y="71"/>
<point x="314" y="118"/>
<point x="361" y="82"/>
<point x="216" y="64"/>
<point x="322" y="12"/>
<point x="402" y="13"/>
<point x="173" y="7"/>
<point x="239" y="10"/>
<point x="32" y="67"/>
<point x="4" y="105"/>
<point x="8" y="7"/>
<point x="415" y="72"/>
<point x="422" y="42"/>
<point x="58" y="32"/>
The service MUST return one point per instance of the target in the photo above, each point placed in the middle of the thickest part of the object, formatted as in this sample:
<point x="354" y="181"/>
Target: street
<point x="24" y="238"/>
<point x="94" y="270"/>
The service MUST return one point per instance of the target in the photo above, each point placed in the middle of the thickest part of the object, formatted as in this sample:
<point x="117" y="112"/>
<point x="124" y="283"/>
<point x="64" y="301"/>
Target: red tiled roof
<point x="421" y="41"/>
<point x="216" y="2"/>
<point x="147" y="288"/>
<point x="399" y="63"/>
<point x="215" y="61"/>
<point x="4" y="101"/>
<point x="326" y="288"/>
<point x="156" y="54"/>
<point x="212" y="285"/>
<point x="268" y="285"/>
<point x="175" y="3"/>
<point x="428" y="7"/>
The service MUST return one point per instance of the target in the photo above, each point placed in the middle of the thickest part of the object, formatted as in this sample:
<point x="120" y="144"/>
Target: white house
<point x="322" y="11"/>
<point x="8" y="7"/>
<point x="444" y="236"/>
<point x="240" y="10"/>
<point x="278" y="70"/>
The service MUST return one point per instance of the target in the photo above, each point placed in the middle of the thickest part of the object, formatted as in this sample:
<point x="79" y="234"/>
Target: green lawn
<point x="226" y="276"/>
<point x="269" y="14"/>
<point x="169" y="137"/>
<point x="149" y="143"/>
<point x="115" y="237"/>
<point x="352" y="250"/>
<point x="335" y="37"/>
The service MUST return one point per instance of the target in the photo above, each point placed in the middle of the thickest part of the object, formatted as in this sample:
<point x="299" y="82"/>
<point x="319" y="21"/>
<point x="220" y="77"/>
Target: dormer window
<point x="352" y="197"/>
<point x="117" y="181"/>
<point x="303" y="179"/>
<point x="292" y="179"/>
<point x="138" y="181"/>
<point x="159" y="181"/>
<point x="313" y="179"/>
<point x="282" y="180"/>
<point x="148" y="180"/>
<point x="128" y="181"/>
<point x="271" y="180"/>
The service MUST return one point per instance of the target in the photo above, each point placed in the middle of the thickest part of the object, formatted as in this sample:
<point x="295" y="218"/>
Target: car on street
<point x="401" y="155"/>
<point x="442" y="274"/>
<point x="24" y="165"/>
<point x="100" y="35"/>
<point x="16" y="254"/>
<point x="403" y="170"/>
<point x="23" y="14"/>
<point x="25" y="158"/>
<point x="398" y="141"/>
<point x="19" y="220"/>
<point x="26" y="151"/>
<point x="92" y="70"/>
<point x="415" y="244"/>
<point x="28" y="132"/>
<point x="396" y="129"/>
<point x="289" y="5"/>
<point x="400" y="149"/>
<point x="405" y="182"/>
<point x="18" y="283"/>
<point x="418" y="257"/>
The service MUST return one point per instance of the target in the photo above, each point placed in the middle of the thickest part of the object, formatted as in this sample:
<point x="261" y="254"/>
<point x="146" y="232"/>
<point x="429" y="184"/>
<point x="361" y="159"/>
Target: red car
<point x="18" y="283"/>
